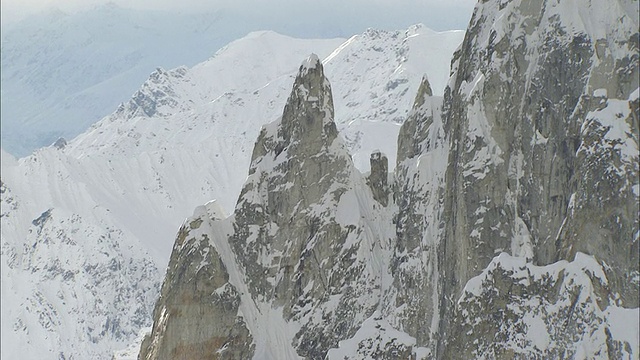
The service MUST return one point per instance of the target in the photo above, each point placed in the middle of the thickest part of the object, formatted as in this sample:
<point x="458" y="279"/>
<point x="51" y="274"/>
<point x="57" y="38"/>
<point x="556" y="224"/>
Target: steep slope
<point x="300" y="259"/>
<point x="528" y="175"/>
<point x="62" y="72"/>
<point x="180" y="140"/>
<point x="532" y="137"/>
<point x="385" y="69"/>
<point x="73" y="283"/>
<point x="418" y="191"/>
<point x="539" y="166"/>
<point x="511" y="225"/>
<point x="110" y="216"/>
<point x="183" y="139"/>
<point x="204" y="120"/>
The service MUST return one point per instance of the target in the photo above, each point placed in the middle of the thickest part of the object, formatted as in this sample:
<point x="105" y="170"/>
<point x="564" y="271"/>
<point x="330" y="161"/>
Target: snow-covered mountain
<point x="62" y="72"/>
<point x="509" y="228"/>
<point x="75" y="283"/>
<point x="115" y="195"/>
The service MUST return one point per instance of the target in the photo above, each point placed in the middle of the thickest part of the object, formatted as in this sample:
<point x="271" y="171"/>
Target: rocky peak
<point x="514" y="199"/>
<point x="414" y="131"/>
<point x="299" y="204"/>
<point x="60" y="144"/>
<point x="156" y="97"/>
<point x="377" y="179"/>
<point x="417" y="192"/>
<point x="305" y="138"/>
<point x="295" y="255"/>
<point x="197" y="291"/>
<point x="308" y="114"/>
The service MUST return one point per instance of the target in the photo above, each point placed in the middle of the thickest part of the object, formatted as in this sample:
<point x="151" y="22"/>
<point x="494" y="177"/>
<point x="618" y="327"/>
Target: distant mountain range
<point x="63" y="72"/>
<point x="88" y="224"/>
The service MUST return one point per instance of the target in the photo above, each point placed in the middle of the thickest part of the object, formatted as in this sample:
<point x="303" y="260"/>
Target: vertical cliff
<point x="543" y="137"/>
<point x="508" y="230"/>
<point x="196" y="314"/>
<point x="301" y="257"/>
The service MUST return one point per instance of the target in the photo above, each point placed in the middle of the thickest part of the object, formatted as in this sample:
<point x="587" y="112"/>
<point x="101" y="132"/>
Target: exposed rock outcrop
<point x="525" y="147"/>
<point x="378" y="178"/>
<point x="513" y="226"/>
<point x="302" y="227"/>
<point x="196" y="315"/>
<point x="298" y="247"/>
<point x="413" y="300"/>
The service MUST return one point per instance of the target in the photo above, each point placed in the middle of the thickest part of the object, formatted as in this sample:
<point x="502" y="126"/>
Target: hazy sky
<point x="437" y="14"/>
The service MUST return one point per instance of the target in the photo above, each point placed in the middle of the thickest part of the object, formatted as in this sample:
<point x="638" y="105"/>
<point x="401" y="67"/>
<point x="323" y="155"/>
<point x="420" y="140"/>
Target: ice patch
<point x="521" y="242"/>
<point x="347" y="212"/>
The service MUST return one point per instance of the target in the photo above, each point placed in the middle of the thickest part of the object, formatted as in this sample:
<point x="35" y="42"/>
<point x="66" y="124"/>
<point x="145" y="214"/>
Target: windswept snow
<point x="184" y="139"/>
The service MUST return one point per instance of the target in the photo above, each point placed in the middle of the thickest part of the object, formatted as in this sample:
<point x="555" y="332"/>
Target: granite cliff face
<point x="509" y="228"/>
<point x="197" y="292"/>
<point x="295" y="257"/>
<point x="541" y="166"/>
<point x="306" y="224"/>
<point x="523" y="115"/>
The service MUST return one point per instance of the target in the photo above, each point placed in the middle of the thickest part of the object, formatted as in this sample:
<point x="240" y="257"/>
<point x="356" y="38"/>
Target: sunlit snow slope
<point x="87" y="227"/>
<point x="62" y="72"/>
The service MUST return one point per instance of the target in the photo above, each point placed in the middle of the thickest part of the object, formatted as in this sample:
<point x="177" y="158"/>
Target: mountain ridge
<point x="503" y="239"/>
<point x="140" y="174"/>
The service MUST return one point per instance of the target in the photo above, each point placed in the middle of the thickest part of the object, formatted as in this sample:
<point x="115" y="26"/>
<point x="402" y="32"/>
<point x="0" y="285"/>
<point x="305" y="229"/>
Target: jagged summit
<point x="307" y="122"/>
<point x="302" y="228"/>
<point x="424" y="89"/>
<point x="528" y="159"/>
<point x="486" y="216"/>
<point x="159" y="168"/>
<point x="310" y="63"/>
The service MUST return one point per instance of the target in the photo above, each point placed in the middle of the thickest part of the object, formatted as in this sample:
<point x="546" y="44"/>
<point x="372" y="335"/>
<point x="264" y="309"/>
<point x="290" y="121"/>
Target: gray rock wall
<point x="530" y="172"/>
<point x="196" y="315"/>
<point x="509" y="229"/>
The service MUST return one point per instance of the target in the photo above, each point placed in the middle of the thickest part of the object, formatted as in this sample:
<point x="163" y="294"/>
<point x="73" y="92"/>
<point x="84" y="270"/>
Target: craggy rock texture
<point x="195" y="317"/>
<point x="544" y="146"/>
<point x="378" y="178"/>
<point x="298" y="247"/>
<point x="508" y="230"/>
<point x="304" y="227"/>
<point x="412" y="302"/>
<point x="515" y="309"/>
